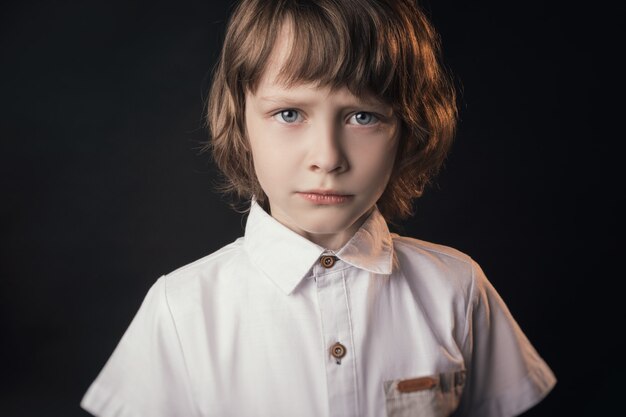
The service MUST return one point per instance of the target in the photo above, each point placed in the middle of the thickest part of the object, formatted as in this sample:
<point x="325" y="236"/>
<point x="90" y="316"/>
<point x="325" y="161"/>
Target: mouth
<point x="325" y="196"/>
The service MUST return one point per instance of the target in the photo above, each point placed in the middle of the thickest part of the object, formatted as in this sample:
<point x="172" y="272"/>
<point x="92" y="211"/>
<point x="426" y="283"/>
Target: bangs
<point x="332" y="44"/>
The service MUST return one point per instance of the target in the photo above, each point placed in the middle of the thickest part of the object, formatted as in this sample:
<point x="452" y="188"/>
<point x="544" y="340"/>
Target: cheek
<point x="374" y="163"/>
<point x="264" y="163"/>
<point x="260" y="146"/>
<point x="271" y="165"/>
<point x="275" y="154"/>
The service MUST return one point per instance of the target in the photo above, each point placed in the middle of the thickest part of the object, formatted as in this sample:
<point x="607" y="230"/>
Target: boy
<point x="330" y="116"/>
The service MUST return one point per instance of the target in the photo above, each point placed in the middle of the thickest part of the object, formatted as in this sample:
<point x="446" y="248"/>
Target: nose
<point x="326" y="154"/>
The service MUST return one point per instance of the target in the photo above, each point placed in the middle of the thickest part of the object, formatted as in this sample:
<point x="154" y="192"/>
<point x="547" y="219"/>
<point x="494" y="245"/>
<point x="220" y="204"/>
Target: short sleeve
<point x="146" y="374"/>
<point x="505" y="374"/>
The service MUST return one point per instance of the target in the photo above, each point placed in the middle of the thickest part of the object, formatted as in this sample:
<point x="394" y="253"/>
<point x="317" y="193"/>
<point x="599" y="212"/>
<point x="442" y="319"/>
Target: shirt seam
<point x="470" y="306"/>
<point x="354" y="373"/>
<point x="180" y="346"/>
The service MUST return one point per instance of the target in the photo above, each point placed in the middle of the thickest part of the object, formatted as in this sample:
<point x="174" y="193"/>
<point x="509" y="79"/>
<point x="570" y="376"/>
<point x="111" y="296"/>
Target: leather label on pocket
<point x="416" y="384"/>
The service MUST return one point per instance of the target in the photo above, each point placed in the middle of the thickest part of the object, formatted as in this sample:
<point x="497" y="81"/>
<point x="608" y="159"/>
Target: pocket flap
<point x="417" y="384"/>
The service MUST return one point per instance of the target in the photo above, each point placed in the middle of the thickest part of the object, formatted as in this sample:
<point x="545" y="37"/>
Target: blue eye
<point x="364" y="118"/>
<point x="289" y="115"/>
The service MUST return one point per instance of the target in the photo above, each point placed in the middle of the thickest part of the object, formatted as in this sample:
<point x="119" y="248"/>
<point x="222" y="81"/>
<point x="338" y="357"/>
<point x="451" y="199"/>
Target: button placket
<point x="337" y="332"/>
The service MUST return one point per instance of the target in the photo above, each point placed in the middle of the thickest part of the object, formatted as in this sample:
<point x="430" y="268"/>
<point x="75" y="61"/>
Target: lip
<point x="326" y="197"/>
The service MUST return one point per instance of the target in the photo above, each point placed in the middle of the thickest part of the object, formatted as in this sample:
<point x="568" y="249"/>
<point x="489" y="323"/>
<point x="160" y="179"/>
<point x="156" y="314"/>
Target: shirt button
<point x="338" y="350"/>
<point x="328" y="261"/>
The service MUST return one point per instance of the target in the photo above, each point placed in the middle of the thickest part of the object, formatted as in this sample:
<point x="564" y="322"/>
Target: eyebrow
<point x="298" y="102"/>
<point x="282" y="99"/>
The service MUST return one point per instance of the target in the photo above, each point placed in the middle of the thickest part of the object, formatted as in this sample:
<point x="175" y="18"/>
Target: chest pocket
<point x="428" y="396"/>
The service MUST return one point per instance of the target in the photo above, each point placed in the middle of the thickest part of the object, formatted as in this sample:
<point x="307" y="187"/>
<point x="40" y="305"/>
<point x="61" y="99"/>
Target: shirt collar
<point x="285" y="257"/>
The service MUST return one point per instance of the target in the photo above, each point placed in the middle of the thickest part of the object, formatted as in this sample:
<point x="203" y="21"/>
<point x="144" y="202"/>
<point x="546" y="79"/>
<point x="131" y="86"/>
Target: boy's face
<point x="322" y="157"/>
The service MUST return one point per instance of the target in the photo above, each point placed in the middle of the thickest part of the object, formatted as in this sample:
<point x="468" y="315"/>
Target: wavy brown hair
<point x="386" y="48"/>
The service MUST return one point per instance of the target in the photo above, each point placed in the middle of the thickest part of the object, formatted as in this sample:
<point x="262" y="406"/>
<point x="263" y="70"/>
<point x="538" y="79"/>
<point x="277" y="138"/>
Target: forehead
<point x="282" y="76"/>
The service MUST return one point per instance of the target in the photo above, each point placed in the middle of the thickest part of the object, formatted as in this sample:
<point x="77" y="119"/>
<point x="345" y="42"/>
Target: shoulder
<point x="438" y="270"/>
<point x="207" y="268"/>
<point x="441" y="258"/>
<point x="434" y="249"/>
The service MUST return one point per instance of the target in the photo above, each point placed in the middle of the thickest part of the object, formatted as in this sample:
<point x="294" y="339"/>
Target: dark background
<point x="104" y="188"/>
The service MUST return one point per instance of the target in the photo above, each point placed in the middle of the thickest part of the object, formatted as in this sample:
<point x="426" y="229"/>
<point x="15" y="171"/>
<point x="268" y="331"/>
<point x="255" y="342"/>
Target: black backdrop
<point x="104" y="189"/>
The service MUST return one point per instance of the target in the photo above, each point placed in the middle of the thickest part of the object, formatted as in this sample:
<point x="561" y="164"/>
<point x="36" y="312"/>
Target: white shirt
<point x="247" y="331"/>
